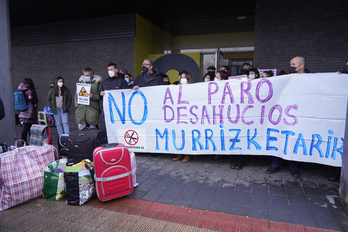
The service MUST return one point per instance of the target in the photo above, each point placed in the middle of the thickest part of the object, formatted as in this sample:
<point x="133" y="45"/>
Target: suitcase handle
<point x="109" y="145"/>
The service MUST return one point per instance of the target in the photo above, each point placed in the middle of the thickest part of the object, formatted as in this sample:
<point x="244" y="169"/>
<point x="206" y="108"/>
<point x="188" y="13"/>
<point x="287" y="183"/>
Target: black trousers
<point x="26" y="131"/>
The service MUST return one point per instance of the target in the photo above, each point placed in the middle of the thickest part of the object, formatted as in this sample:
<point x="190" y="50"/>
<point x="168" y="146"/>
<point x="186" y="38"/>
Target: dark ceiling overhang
<point x="175" y="17"/>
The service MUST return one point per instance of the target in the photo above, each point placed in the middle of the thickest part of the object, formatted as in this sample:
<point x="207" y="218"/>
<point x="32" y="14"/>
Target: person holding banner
<point x="114" y="81"/>
<point x="59" y="100"/>
<point x="87" y="112"/>
<point x="149" y="76"/>
<point x="297" y="65"/>
<point x="185" y="78"/>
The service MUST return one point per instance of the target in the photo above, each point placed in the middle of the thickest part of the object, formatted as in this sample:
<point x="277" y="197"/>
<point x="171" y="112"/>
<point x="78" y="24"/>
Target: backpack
<point x="20" y="102"/>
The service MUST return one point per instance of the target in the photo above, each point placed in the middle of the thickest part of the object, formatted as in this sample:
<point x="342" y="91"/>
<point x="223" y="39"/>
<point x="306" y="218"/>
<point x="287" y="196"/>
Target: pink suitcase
<point x="112" y="171"/>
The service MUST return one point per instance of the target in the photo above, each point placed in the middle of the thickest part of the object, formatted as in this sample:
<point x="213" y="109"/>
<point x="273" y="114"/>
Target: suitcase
<point x="63" y="145"/>
<point x="40" y="133"/>
<point x="82" y="143"/>
<point x="112" y="171"/>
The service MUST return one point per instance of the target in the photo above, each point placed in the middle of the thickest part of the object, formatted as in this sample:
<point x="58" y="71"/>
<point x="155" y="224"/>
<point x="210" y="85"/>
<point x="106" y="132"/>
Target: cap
<point x="211" y="67"/>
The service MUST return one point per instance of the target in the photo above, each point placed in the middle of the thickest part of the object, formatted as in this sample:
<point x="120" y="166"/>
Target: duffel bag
<point x="21" y="173"/>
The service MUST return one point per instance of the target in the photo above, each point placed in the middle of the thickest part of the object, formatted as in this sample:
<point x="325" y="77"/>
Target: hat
<point x="124" y="70"/>
<point x="211" y="67"/>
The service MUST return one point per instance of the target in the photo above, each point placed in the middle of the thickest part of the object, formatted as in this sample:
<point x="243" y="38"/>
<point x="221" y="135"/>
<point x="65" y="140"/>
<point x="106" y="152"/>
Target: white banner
<point x="295" y="117"/>
<point x="82" y="91"/>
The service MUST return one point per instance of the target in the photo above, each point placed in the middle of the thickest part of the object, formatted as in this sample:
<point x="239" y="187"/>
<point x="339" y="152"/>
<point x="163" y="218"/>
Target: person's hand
<point x="338" y="72"/>
<point x="90" y="95"/>
<point x="136" y="87"/>
<point x="102" y="93"/>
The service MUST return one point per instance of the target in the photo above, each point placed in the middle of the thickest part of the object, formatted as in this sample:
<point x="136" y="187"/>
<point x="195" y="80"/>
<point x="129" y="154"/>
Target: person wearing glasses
<point x="149" y="76"/>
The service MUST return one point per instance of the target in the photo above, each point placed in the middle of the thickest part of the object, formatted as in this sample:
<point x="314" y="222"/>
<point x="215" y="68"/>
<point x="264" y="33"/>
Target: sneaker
<point x="272" y="170"/>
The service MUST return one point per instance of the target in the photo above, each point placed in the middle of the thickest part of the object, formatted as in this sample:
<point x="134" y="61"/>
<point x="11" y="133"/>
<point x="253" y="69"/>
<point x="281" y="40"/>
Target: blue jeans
<point x="62" y="121"/>
<point x="276" y="162"/>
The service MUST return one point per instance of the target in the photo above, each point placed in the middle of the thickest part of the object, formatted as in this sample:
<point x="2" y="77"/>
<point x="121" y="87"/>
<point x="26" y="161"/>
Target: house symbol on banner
<point x="83" y="92"/>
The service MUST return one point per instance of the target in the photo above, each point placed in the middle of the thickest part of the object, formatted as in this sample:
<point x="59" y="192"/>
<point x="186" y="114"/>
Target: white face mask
<point x="183" y="81"/>
<point x="216" y="79"/>
<point x="206" y="79"/>
<point x="60" y="84"/>
<point x="111" y="73"/>
<point x="126" y="79"/>
<point x="251" y="77"/>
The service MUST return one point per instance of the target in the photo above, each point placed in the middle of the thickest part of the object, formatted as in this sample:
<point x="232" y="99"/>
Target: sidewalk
<point x="199" y="195"/>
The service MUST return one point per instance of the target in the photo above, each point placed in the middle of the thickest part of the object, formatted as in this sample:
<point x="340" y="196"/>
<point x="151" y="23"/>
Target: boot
<point x="186" y="159"/>
<point x="178" y="157"/>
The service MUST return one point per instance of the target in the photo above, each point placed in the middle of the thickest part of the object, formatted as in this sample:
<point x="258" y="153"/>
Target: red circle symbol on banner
<point x="131" y="137"/>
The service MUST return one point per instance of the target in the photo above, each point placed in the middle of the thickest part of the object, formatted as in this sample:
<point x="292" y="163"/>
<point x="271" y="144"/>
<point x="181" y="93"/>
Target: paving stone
<point x="279" y="203"/>
<point x="206" y="193"/>
<point x="328" y="223"/>
<point x="228" y="190"/>
<point x="280" y="216"/>
<point x="200" y="204"/>
<point x="239" y="210"/>
<point x="167" y="199"/>
<point x="241" y="198"/>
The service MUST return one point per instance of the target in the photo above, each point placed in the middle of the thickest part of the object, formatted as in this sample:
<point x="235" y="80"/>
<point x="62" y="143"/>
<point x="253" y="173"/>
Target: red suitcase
<point x="112" y="171"/>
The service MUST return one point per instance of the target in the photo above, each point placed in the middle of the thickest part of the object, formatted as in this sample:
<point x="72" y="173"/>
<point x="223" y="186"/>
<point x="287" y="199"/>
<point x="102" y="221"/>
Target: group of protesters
<point x="59" y="98"/>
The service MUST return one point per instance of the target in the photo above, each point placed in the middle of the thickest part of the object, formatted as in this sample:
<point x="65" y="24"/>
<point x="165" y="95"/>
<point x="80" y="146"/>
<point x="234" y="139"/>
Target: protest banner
<point x="82" y="91"/>
<point x="295" y="117"/>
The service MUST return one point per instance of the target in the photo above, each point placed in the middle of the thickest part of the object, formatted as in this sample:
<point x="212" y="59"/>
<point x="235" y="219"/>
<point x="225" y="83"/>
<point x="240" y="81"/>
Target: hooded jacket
<point x="67" y="100"/>
<point x="90" y="112"/>
<point x="152" y="79"/>
<point x="29" y="115"/>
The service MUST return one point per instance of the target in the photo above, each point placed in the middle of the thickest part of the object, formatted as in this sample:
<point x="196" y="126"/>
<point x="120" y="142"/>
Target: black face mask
<point x="245" y="71"/>
<point x="292" y="70"/>
<point x="166" y="82"/>
<point x="145" y="69"/>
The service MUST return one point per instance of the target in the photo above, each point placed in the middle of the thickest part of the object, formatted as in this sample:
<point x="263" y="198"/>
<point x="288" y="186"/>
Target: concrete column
<point x="343" y="190"/>
<point x="7" y="125"/>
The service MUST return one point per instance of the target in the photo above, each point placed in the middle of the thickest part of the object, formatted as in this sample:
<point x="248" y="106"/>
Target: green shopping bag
<point x="53" y="184"/>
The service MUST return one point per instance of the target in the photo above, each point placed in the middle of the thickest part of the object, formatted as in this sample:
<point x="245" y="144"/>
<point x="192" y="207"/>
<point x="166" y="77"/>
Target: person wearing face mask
<point x="245" y="69"/>
<point x="185" y="78"/>
<point x="128" y="78"/>
<point x="114" y="81"/>
<point x="89" y="114"/>
<point x="149" y="76"/>
<point x="206" y="78"/>
<point x="211" y="72"/>
<point x="297" y="65"/>
<point x="59" y="100"/>
<point x="253" y="74"/>
<point x="165" y="79"/>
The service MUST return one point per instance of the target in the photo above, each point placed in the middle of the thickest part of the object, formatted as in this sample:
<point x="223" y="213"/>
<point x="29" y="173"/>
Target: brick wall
<point x="316" y="30"/>
<point x="43" y="63"/>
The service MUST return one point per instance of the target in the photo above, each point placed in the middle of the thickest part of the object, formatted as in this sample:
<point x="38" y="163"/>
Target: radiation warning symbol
<point x="83" y="92"/>
<point x="131" y="137"/>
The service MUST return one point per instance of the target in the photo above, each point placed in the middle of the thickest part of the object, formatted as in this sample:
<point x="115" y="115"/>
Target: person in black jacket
<point x="114" y="81"/>
<point x="149" y="76"/>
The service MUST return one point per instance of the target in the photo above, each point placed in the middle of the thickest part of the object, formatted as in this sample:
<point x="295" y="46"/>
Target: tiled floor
<point x="311" y="200"/>
<point x="205" y="184"/>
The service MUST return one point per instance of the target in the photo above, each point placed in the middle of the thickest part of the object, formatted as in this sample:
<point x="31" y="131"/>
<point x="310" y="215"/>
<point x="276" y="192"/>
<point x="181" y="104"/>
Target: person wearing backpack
<point x="59" y="99"/>
<point x="29" y="116"/>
